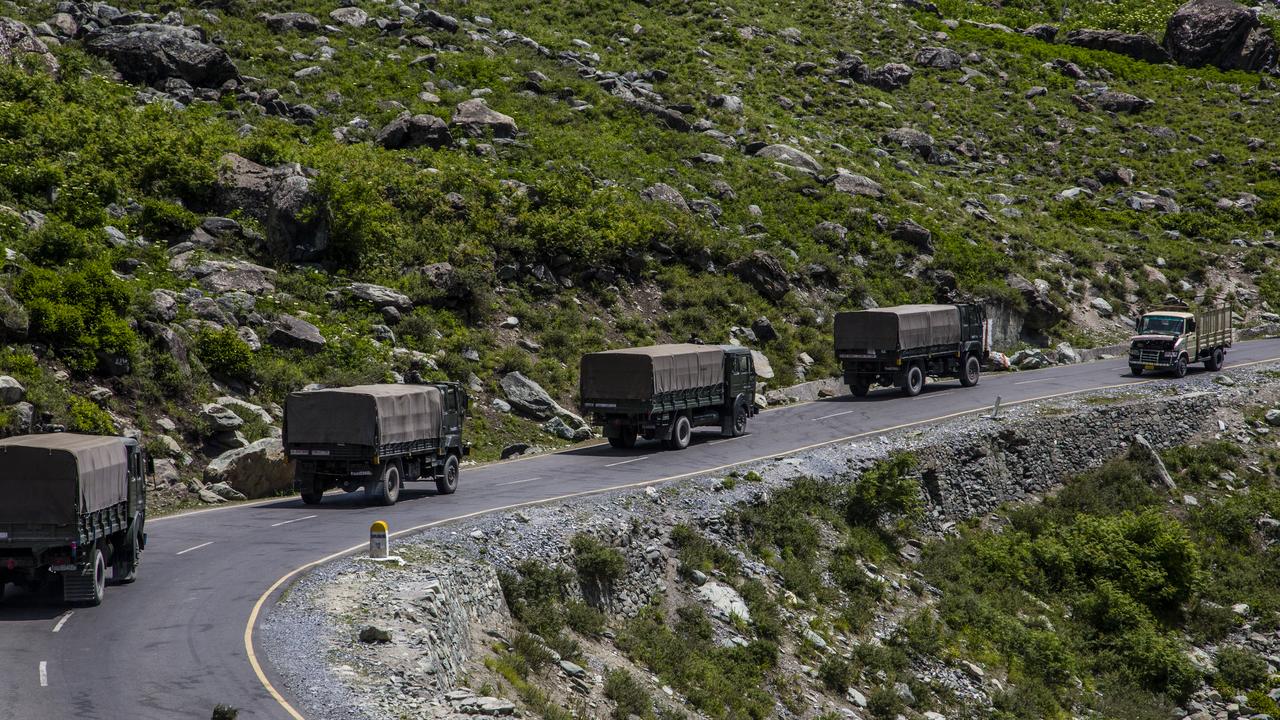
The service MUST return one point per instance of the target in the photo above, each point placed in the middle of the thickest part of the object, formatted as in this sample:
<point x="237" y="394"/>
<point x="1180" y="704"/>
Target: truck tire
<point x="860" y="388"/>
<point x="912" y="380"/>
<point x="971" y="372"/>
<point x="87" y="588"/>
<point x="681" y="433"/>
<point x="1215" y="360"/>
<point x="626" y="438"/>
<point x="388" y="488"/>
<point x="1179" y="368"/>
<point x="1136" y="370"/>
<point x="310" y="490"/>
<point x="447" y="483"/>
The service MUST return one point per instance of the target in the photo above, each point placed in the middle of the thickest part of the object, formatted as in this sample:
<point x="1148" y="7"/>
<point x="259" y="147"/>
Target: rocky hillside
<point x="205" y="208"/>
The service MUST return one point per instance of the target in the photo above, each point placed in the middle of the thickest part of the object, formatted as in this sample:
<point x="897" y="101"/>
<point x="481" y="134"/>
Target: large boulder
<point x="151" y="54"/>
<point x="528" y="398"/>
<point x="763" y="272"/>
<point x="293" y="332"/>
<point x="855" y="184"/>
<point x="20" y="48"/>
<point x="411" y="131"/>
<point x="890" y="77"/>
<point x="939" y="57"/>
<point x="380" y="296"/>
<point x="280" y="198"/>
<point x="1113" y="101"/>
<point x="1220" y="33"/>
<point x="1138" y="47"/>
<point x="917" y="141"/>
<point x="259" y="470"/>
<point x="1041" y="312"/>
<point x="287" y="21"/>
<point x="664" y="193"/>
<point x="477" y="119"/>
<point x="11" y="391"/>
<point x="224" y="276"/>
<point x="14" y="321"/>
<point x="791" y="157"/>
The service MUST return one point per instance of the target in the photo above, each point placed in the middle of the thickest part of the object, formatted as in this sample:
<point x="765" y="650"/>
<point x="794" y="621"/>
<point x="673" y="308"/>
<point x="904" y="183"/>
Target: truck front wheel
<point x="912" y="380"/>
<point x="447" y="483"/>
<point x="971" y="371"/>
<point x="1136" y="370"/>
<point x="1215" y="360"/>
<point x="681" y="433"/>
<point x="124" y="566"/>
<point x="388" y="488"/>
<point x="1180" y="367"/>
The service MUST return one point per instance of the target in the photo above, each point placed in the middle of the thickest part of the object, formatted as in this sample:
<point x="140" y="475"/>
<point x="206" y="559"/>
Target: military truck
<point x="1171" y="338"/>
<point x="662" y="392"/>
<point x="70" y="507"/>
<point x="377" y="437"/>
<point x="901" y="346"/>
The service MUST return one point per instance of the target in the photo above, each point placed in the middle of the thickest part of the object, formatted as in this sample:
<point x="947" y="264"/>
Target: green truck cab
<point x="1171" y="338"/>
<point x="661" y="392"/>
<point x="377" y="437"/>
<point x="902" y="345"/>
<point x="70" y="507"/>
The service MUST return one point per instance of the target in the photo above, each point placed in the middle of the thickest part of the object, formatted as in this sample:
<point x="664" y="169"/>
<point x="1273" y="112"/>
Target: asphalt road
<point x="173" y="644"/>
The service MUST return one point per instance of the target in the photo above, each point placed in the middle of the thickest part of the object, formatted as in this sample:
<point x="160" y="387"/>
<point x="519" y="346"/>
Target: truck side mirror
<point x="151" y="465"/>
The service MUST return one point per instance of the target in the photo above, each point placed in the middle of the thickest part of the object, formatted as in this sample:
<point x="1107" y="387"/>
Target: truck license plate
<point x="1149" y="366"/>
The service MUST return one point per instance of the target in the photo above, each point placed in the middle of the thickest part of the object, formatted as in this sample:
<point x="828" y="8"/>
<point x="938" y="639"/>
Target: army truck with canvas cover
<point x="901" y="346"/>
<point x="1172" y="338"/>
<point x="662" y="392"/>
<point x="376" y="437"/>
<point x="71" y="506"/>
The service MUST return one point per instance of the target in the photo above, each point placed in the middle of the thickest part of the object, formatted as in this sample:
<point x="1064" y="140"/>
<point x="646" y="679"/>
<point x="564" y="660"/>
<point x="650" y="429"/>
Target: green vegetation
<point x="598" y="565"/>
<point x="1099" y="583"/>
<point x="629" y="696"/>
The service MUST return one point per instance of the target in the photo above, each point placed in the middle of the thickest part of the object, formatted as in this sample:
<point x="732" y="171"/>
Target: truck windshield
<point x="1161" y="325"/>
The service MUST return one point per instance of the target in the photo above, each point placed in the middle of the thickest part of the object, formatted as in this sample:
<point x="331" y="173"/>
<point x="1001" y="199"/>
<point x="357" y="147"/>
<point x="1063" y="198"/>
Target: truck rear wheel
<point x="310" y="490"/>
<point x="681" y="433"/>
<point x="860" y="387"/>
<point x="912" y="380"/>
<point x="626" y="438"/>
<point x="447" y="483"/>
<point x="971" y="372"/>
<point x="388" y="489"/>
<point x="1215" y="360"/>
<point x="87" y="587"/>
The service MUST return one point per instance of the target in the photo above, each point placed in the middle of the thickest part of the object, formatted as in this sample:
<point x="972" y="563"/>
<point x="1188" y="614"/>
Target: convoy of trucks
<point x="901" y="346"/>
<point x="662" y="392"/>
<point x="377" y="437"/>
<point x="71" y="506"/>
<point x="1171" y="338"/>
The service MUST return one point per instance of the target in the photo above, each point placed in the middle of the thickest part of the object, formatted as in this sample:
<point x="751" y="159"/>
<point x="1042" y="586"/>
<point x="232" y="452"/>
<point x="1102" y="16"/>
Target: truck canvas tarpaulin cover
<point x="46" y="479"/>
<point x="905" y="326"/>
<point x="642" y="373"/>
<point x="370" y="415"/>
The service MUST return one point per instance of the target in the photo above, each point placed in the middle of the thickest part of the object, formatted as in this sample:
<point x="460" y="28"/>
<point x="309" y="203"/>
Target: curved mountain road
<point x="173" y="644"/>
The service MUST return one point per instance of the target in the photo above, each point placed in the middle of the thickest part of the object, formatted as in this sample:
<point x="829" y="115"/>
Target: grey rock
<point x="164" y="304"/>
<point x="380" y="296"/>
<point x="291" y="21"/>
<point x="477" y="119"/>
<point x="11" y="391"/>
<point x="1113" y="101"/>
<point x="411" y="131"/>
<point x="1138" y="47"/>
<point x="20" y="48"/>
<point x="219" y="418"/>
<point x="370" y="634"/>
<point x="225" y="491"/>
<point x="293" y="332"/>
<point x="857" y="185"/>
<point x="764" y="273"/>
<point x="261" y="469"/>
<point x="939" y="57"/>
<point x="661" y="192"/>
<point x="14" y="322"/>
<point x="527" y="397"/>
<point x="350" y="16"/>
<point x="791" y="157"/>
<point x="912" y="233"/>
<point x="281" y="199"/>
<point x="146" y="53"/>
<point x="1220" y="33"/>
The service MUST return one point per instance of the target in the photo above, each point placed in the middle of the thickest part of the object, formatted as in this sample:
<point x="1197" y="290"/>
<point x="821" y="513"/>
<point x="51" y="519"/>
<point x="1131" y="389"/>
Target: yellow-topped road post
<point x="379" y="542"/>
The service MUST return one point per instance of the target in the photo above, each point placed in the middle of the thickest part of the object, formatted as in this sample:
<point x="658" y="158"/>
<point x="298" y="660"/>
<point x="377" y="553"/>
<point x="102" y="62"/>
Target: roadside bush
<point x="836" y="675"/>
<point x="582" y="618"/>
<point x="598" y="565"/>
<point x="225" y="354"/>
<point x="86" y="417"/>
<point x="628" y="695"/>
<point x="886" y="490"/>
<point x="1241" y="668"/>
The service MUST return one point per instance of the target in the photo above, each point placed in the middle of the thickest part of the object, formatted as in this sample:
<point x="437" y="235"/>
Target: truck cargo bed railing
<point x="323" y="452"/>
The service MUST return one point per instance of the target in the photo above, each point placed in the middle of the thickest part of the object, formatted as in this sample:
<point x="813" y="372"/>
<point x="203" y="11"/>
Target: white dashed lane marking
<point x="286" y="522"/>
<point x="519" y="482"/>
<point x="63" y="620"/>
<point x="184" y="552"/>
<point x="624" y="462"/>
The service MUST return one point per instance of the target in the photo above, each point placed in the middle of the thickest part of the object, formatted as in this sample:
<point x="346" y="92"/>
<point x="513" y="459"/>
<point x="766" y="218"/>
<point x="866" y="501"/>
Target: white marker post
<point x="379" y="544"/>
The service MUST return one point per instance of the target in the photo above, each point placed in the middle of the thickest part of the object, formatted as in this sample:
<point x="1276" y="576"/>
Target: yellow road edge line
<point x="262" y="599"/>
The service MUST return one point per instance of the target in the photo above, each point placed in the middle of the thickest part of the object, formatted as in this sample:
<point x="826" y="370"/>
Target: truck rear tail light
<point x="11" y="564"/>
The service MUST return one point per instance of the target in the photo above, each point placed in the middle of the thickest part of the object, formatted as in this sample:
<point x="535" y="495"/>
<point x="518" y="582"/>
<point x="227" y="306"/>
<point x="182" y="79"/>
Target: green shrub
<point x="582" y="618"/>
<point x="1241" y="668"/>
<point x="79" y="310"/>
<point x="884" y="703"/>
<point x="696" y="552"/>
<point x="886" y="490"/>
<point x="598" y="565"/>
<point x="161" y="219"/>
<point x="628" y="695"/>
<point x="86" y="417"/>
<point x="836" y="675"/>
<point x="530" y="649"/>
<point x="225" y="354"/>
